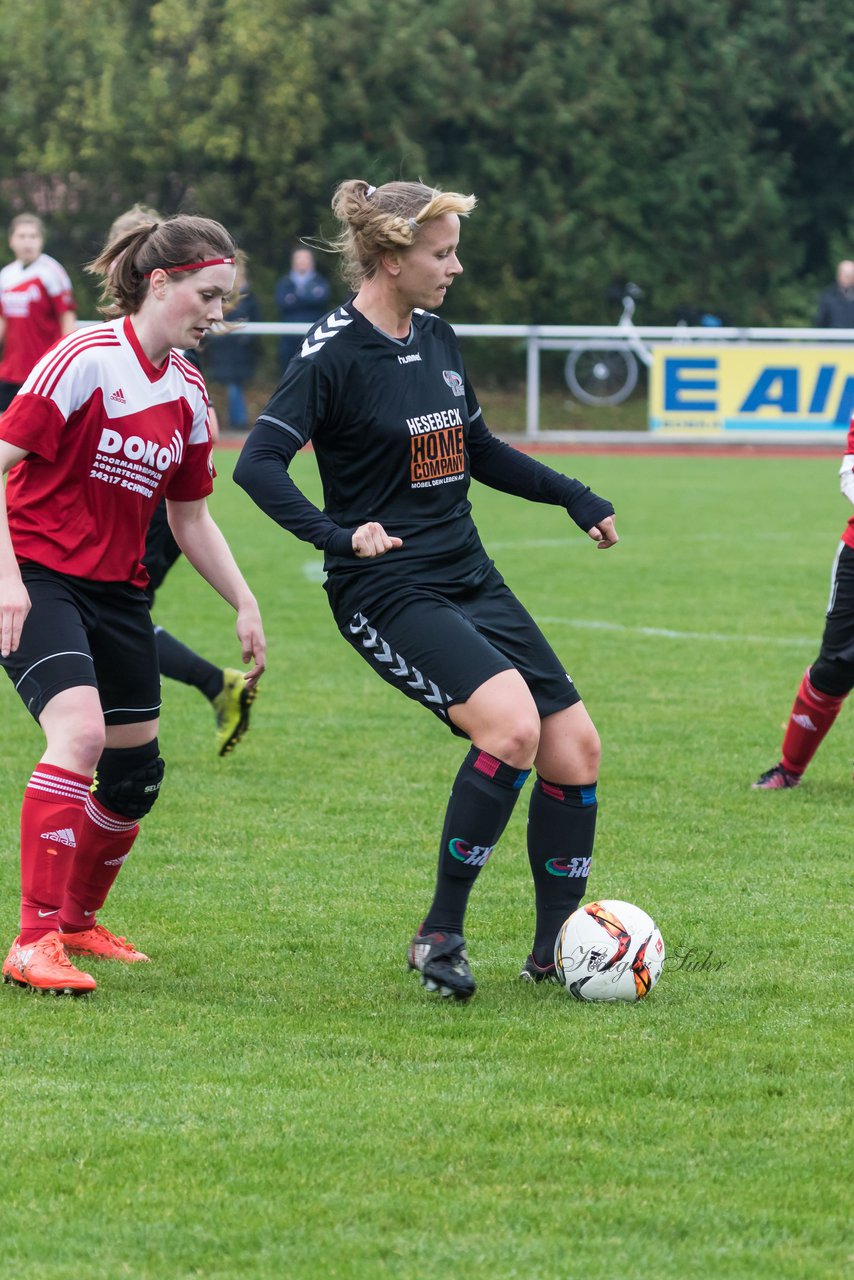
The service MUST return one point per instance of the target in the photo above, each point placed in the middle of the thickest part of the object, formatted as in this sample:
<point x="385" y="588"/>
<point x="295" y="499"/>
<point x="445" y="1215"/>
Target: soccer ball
<point x="609" y="950"/>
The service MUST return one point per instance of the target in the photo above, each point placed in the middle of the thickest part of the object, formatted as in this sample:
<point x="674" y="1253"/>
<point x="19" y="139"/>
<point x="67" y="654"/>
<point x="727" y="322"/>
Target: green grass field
<point x="276" y="1097"/>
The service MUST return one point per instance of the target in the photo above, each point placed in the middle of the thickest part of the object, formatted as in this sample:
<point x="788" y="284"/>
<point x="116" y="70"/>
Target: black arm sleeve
<point x="262" y="470"/>
<point x="500" y="466"/>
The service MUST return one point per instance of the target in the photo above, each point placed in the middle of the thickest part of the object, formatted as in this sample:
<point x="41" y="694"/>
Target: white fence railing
<point x="562" y="337"/>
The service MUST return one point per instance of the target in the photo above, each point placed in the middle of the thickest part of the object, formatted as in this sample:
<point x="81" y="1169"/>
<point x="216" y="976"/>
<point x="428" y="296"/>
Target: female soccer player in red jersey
<point x="829" y="680"/>
<point x="380" y="389"/>
<point x="108" y="420"/>
<point x="224" y="687"/>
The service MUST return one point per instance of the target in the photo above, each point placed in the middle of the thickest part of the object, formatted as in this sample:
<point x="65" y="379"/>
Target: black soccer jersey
<point x="398" y="434"/>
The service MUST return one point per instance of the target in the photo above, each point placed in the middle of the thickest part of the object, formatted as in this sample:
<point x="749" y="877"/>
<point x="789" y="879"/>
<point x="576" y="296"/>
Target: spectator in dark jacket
<point x="836" y="304"/>
<point x="301" y="295"/>
<point x="230" y="357"/>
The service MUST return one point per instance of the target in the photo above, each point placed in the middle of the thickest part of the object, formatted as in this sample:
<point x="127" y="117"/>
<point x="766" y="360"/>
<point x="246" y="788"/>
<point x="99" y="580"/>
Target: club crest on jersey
<point x="454" y="381"/>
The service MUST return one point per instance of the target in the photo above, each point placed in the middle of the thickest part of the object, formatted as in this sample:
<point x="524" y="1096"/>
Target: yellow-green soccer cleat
<point x="231" y="708"/>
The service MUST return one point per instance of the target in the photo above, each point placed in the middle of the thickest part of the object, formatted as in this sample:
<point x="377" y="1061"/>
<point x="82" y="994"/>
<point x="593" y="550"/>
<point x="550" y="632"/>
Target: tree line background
<point x="703" y="150"/>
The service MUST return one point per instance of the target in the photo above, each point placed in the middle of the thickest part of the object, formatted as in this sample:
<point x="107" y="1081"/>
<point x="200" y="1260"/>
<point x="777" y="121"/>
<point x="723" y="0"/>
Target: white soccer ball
<point x="609" y="950"/>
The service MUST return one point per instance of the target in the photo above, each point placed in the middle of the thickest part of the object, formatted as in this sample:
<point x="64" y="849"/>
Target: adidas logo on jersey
<point x="119" y="396"/>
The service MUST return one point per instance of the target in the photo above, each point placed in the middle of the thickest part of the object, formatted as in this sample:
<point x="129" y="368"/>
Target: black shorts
<point x="161" y="550"/>
<point x="439" y="647"/>
<point x="86" y="633"/>
<point x="8" y="391"/>
<point x="833" y="670"/>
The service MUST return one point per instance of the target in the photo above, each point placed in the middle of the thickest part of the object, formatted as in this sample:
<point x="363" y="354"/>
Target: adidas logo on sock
<point x="64" y="836"/>
<point x="119" y="396"/>
<point x="805" y="723"/>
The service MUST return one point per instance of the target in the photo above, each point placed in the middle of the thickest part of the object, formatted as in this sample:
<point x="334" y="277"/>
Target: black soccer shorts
<point x="833" y="670"/>
<point x="8" y="391"/>
<point x="86" y="633"/>
<point x="438" y="648"/>
<point x="161" y="550"/>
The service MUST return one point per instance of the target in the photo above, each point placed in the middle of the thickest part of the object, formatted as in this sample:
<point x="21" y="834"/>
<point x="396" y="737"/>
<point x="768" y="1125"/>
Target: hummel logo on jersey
<point x="119" y="396"/>
<point x="454" y="381"/>
<point x="64" y="836"/>
<point x="805" y="723"/>
<point x="325" y="330"/>
<point x="416" y="355"/>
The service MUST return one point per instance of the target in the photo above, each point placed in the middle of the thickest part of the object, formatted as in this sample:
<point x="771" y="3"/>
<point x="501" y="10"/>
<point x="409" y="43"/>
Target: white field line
<point x="667" y="633"/>
<point x="313" y="572"/>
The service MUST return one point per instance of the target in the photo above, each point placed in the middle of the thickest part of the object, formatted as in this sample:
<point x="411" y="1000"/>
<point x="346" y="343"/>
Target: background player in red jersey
<point x="379" y="388"/>
<point x="224" y="687"/>
<point x="827" y="683"/>
<point x="36" y="304"/>
<point x="109" y="419"/>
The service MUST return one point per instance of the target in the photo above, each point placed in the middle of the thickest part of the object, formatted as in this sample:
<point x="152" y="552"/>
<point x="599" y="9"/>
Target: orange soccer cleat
<point x="98" y="941"/>
<point x="44" y="966"/>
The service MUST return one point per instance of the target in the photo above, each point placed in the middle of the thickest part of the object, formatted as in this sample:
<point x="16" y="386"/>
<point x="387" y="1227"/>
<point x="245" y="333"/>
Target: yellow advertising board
<point x="713" y="388"/>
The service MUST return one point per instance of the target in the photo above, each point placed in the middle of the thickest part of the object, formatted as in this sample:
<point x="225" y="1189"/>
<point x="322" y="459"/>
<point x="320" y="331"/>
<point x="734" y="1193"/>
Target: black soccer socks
<point x="561" y="828"/>
<point x="484" y="794"/>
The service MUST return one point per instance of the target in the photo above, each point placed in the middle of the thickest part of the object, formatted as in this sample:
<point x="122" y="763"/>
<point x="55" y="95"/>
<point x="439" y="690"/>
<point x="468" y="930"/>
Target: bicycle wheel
<point x="601" y="375"/>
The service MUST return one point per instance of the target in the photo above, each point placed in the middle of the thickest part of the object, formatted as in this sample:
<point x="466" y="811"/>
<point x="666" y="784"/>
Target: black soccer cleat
<point x="441" y="960"/>
<point x="533" y="972"/>
<point x="777" y="779"/>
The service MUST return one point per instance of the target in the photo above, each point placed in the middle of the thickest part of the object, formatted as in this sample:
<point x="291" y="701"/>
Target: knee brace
<point x="127" y="780"/>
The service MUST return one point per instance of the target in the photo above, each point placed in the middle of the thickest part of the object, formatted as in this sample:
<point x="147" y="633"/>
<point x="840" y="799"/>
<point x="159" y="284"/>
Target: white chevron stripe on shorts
<point x="383" y="655"/>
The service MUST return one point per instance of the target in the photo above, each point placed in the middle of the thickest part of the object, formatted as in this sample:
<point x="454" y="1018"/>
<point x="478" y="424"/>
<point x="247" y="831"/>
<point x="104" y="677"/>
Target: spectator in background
<point x="230" y="355"/>
<point x="301" y="296"/>
<point x="36" y="305"/>
<point x="836" y="303"/>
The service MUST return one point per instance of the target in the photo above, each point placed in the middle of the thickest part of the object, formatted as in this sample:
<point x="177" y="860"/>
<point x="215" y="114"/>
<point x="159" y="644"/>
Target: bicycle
<point x="603" y="373"/>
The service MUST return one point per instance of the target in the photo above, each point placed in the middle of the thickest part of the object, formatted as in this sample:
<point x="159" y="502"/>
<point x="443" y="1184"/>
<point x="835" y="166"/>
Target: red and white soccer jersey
<point x="32" y="299"/>
<point x="108" y="433"/>
<point x="848" y="462"/>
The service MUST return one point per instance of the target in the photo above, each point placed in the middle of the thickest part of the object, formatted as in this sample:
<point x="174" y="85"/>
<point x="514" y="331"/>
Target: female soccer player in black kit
<point x="380" y="390"/>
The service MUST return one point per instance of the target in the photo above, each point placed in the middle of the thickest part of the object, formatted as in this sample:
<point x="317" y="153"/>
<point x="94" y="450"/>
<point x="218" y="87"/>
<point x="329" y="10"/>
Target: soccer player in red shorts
<point x="379" y="388"/>
<point x="829" y="680"/>
<point x="36" y="304"/>
<point x="108" y="421"/>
